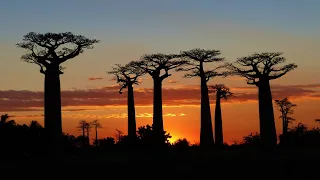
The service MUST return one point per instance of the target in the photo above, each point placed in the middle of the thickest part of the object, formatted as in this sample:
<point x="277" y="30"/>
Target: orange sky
<point x="181" y="108"/>
<point x="89" y="93"/>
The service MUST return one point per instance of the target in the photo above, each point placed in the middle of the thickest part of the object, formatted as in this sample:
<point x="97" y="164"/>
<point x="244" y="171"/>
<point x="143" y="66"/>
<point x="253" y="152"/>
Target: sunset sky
<point x="128" y="29"/>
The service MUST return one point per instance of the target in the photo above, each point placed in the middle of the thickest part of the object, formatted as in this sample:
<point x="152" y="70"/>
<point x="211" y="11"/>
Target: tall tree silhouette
<point x="49" y="51"/>
<point x="127" y="76"/>
<point x="96" y="124"/>
<point x="221" y="92"/>
<point x="197" y="58"/>
<point x="82" y="126"/>
<point x="285" y="107"/>
<point x="259" y="69"/>
<point x="88" y="129"/>
<point x="158" y="66"/>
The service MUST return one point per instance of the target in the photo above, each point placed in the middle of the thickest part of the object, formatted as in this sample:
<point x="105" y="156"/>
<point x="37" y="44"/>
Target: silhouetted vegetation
<point x="151" y="143"/>
<point x="127" y="76"/>
<point x="285" y="107"/>
<point x="259" y="69"/>
<point x="221" y="92"/>
<point x="196" y="60"/>
<point x="49" y="51"/>
<point x="158" y="67"/>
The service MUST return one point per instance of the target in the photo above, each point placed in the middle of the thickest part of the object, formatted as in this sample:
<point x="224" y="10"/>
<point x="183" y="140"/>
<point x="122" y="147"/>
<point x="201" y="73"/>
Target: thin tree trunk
<point x="218" y="122"/>
<point x="267" y="125"/>
<point x="157" y="111"/>
<point x="88" y="139"/>
<point x="131" y="114"/>
<point x="52" y="109"/>
<point x="284" y="129"/>
<point x="84" y="141"/>
<point x="206" y="132"/>
<point x="96" y="135"/>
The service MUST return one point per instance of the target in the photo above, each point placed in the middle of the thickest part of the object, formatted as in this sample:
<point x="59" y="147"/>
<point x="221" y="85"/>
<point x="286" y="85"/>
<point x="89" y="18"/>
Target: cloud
<point x="140" y="115"/>
<point x="172" y="81"/>
<point x="15" y="100"/>
<point x="113" y="78"/>
<point x="95" y="78"/>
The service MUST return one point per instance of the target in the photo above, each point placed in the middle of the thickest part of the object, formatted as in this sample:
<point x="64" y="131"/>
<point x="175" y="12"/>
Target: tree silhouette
<point x="127" y="76"/>
<point x="118" y="135"/>
<point x="158" y="66"/>
<point x="259" y="69"/>
<point x="49" y="51"/>
<point x="285" y="107"/>
<point x="146" y="136"/>
<point x="83" y="127"/>
<point x="197" y="58"/>
<point x="221" y="92"/>
<point x="4" y="121"/>
<point x="88" y="129"/>
<point x="96" y="124"/>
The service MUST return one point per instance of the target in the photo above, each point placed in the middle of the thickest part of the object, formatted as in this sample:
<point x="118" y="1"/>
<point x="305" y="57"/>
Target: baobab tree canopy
<point x="196" y="58"/>
<point x="260" y="65"/>
<point x="202" y="55"/>
<point x="126" y="74"/>
<point x="53" y="48"/>
<point x="224" y="91"/>
<point x="154" y="63"/>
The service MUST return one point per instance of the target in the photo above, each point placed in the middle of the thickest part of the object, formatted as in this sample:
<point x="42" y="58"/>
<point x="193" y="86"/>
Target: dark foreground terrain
<point x="213" y="164"/>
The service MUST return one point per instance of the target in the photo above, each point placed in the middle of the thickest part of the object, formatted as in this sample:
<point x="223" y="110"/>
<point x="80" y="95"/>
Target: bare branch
<point x="154" y="63"/>
<point x="127" y="74"/>
<point x="46" y="49"/>
<point x="258" y="66"/>
<point x="202" y="55"/>
<point x="196" y="58"/>
<point x="222" y="90"/>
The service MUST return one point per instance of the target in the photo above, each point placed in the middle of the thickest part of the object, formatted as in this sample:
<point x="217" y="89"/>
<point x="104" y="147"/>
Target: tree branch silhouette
<point x="259" y="69"/>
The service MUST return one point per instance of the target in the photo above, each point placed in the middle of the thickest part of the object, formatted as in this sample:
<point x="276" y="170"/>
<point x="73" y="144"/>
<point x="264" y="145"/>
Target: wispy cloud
<point x="140" y="115"/>
<point x="14" y="100"/>
<point x="95" y="78"/>
<point x="172" y="81"/>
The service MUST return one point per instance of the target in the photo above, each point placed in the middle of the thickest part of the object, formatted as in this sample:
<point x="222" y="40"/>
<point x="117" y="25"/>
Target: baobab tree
<point x="82" y="127"/>
<point x="49" y="51"/>
<point x="158" y="66"/>
<point x="196" y="59"/>
<point x="127" y="76"/>
<point x="221" y="92"/>
<point x="259" y="69"/>
<point x="96" y="124"/>
<point x="88" y="129"/>
<point x="285" y="107"/>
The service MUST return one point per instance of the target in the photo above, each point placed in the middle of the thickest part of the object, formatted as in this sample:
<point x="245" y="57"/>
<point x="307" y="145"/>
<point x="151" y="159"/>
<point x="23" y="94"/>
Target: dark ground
<point x="236" y="163"/>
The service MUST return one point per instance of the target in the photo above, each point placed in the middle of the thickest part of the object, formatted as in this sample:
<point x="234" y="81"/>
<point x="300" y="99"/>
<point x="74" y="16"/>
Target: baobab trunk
<point x="157" y="111"/>
<point x="267" y="126"/>
<point x="131" y="114"/>
<point x="218" y="122"/>
<point x="206" y="132"/>
<point x="52" y="109"/>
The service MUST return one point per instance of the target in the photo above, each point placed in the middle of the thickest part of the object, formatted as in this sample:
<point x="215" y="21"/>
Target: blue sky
<point x="19" y="16"/>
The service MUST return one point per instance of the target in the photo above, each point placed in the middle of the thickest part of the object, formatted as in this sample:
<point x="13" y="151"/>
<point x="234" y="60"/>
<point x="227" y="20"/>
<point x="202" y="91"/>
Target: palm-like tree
<point x="4" y="121"/>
